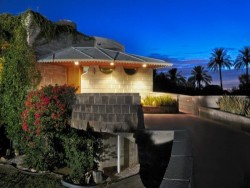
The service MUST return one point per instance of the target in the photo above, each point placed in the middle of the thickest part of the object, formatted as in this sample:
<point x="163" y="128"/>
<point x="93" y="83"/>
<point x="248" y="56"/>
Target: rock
<point x="3" y="159"/>
<point x="32" y="170"/>
<point x="46" y="36"/>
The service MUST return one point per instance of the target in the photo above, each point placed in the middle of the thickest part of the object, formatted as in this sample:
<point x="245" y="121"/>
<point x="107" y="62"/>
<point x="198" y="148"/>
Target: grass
<point x="159" y="101"/>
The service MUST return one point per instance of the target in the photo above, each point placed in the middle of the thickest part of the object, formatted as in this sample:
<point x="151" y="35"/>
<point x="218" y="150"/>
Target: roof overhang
<point x="89" y="56"/>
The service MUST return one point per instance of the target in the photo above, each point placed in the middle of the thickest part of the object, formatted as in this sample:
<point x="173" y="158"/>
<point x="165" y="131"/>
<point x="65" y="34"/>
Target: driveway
<point x="221" y="155"/>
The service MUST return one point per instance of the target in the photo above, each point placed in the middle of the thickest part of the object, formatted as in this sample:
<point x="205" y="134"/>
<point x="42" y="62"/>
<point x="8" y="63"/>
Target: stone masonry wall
<point x="106" y="112"/>
<point x="117" y="82"/>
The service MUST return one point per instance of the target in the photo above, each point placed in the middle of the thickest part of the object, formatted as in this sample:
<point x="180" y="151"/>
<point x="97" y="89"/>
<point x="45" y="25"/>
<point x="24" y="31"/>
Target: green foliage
<point x="219" y="59"/>
<point x="83" y="150"/>
<point x="199" y="75"/>
<point x="44" y="120"/>
<point x="234" y="104"/>
<point x="159" y="101"/>
<point x="18" y="74"/>
<point x="248" y="112"/>
<point x="50" y="141"/>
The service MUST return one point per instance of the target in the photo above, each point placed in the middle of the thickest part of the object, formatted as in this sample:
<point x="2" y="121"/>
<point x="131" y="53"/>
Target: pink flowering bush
<point x="45" y="119"/>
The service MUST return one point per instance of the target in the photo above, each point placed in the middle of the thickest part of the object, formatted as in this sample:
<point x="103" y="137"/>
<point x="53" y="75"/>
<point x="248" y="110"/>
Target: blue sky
<point x="183" y="32"/>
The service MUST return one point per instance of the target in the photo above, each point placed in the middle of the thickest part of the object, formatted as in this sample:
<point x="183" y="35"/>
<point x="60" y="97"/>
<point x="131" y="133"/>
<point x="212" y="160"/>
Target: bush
<point x="82" y="152"/>
<point x="234" y="104"/>
<point x="159" y="101"/>
<point x="44" y="120"/>
<point x="50" y="141"/>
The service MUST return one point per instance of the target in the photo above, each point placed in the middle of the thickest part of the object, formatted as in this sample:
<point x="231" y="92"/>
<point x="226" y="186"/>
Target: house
<point x="101" y="68"/>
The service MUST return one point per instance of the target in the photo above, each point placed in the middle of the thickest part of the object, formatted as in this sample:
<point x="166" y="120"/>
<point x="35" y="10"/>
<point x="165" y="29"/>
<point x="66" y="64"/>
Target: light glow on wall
<point x="76" y="63"/>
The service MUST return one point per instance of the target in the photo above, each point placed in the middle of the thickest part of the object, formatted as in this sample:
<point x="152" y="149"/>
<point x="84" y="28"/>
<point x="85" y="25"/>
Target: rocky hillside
<point x="43" y="35"/>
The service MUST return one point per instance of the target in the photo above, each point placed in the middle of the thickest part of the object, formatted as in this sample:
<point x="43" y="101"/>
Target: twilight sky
<point x="182" y="32"/>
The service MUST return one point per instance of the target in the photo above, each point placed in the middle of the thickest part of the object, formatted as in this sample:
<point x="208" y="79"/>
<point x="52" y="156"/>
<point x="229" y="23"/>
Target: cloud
<point x="181" y="62"/>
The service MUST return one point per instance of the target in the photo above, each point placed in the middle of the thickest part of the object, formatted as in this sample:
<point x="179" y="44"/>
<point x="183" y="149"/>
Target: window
<point x="85" y="70"/>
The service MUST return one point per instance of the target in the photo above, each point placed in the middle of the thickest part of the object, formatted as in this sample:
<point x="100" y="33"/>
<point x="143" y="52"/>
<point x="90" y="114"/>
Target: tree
<point x="243" y="60"/>
<point x="175" y="77"/>
<point x="199" y="74"/>
<point x="219" y="59"/>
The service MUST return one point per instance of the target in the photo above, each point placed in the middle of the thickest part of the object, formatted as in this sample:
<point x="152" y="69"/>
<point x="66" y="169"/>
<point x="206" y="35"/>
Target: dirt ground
<point x="10" y="177"/>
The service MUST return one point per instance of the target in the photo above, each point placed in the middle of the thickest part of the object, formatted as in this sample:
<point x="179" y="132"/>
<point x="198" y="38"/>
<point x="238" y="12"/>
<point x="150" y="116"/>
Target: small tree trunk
<point x="221" y="86"/>
<point x="247" y="74"/>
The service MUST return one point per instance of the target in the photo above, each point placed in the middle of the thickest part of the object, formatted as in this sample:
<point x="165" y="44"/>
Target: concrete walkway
<point x="221" y="155"/>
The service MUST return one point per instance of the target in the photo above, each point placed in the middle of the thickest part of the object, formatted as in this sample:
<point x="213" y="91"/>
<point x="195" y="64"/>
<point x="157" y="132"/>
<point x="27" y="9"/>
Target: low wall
<point x="191" y="104"/>
<point x="106" y="112"/>
<point x="231" y="120"/>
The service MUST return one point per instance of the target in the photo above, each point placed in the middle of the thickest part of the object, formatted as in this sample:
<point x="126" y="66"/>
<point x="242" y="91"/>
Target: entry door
<point x="74" y="78"/>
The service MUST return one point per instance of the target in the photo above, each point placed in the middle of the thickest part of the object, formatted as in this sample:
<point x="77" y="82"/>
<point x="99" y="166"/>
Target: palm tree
<point x="175" y="77"/>
<point x="243" y="60"/>
<point x="218" y="60"/>
<point x="199" y="74"/>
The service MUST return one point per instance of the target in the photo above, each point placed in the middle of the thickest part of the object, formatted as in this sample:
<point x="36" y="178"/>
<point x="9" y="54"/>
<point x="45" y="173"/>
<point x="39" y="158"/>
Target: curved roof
<point x="96" y="55"/>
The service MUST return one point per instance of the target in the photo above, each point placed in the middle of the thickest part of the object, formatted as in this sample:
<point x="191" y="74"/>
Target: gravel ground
<point x="10" y="177"/>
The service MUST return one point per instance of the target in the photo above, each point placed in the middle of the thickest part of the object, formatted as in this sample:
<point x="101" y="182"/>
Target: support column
<point x="118" y="154"/>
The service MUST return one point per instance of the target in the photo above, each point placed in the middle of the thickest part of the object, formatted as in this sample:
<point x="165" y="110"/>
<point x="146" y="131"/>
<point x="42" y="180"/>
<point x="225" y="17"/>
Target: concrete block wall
<point x="106" y="112"/>
<point x="52" y="74"/>
<point x="117" y="82"/>
<point x="128" y="152"/>
<point x="191" y="104"/>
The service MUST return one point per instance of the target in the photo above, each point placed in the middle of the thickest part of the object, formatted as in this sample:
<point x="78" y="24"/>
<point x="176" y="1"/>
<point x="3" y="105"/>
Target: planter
<point x="230" y="120"/>
<point x="160" y="109"/>
<point x="71" y="185"/>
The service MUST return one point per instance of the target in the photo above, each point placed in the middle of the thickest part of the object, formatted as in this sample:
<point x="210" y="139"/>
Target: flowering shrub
<point x="48" y="109"/>
<point x="46" y="115"/>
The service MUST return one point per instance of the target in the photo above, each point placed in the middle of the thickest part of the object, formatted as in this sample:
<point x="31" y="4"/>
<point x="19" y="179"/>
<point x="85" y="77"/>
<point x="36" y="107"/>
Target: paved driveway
<point x="221" y="155"/>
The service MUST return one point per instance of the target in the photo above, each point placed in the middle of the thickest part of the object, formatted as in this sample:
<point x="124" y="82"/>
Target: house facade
<point x="102" y="68"/>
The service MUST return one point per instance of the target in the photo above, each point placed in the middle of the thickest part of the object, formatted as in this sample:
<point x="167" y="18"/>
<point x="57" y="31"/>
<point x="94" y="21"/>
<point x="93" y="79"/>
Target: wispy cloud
<point x="181" y="62"/>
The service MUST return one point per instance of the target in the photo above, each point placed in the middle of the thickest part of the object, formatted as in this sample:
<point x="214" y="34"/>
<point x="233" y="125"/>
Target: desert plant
<point x="159" y="100"/>
<point x="234" y="104"/>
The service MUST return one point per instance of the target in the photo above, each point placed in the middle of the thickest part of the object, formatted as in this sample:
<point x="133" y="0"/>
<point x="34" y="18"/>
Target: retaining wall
<point x="106" y="112"/>
<point x="231" y="120"/>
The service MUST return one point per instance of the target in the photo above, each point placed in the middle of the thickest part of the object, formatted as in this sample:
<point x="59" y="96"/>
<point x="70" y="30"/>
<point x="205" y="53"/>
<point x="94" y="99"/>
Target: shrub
<point x="82" y="152"/>
<point x="159" y="101"/>
<point x="50" y="141"/>
<point x="234" y="104"/>
<point x="45" y="118"/>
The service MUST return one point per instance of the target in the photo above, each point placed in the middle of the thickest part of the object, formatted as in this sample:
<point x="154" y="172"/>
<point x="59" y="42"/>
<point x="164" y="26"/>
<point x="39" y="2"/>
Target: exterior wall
<point x="117" y="82"/>
<point x="73" y="77"/>
<point x="52" y="74"/>
<point x="106" y="112"/>
<point x="128" y="152"/>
